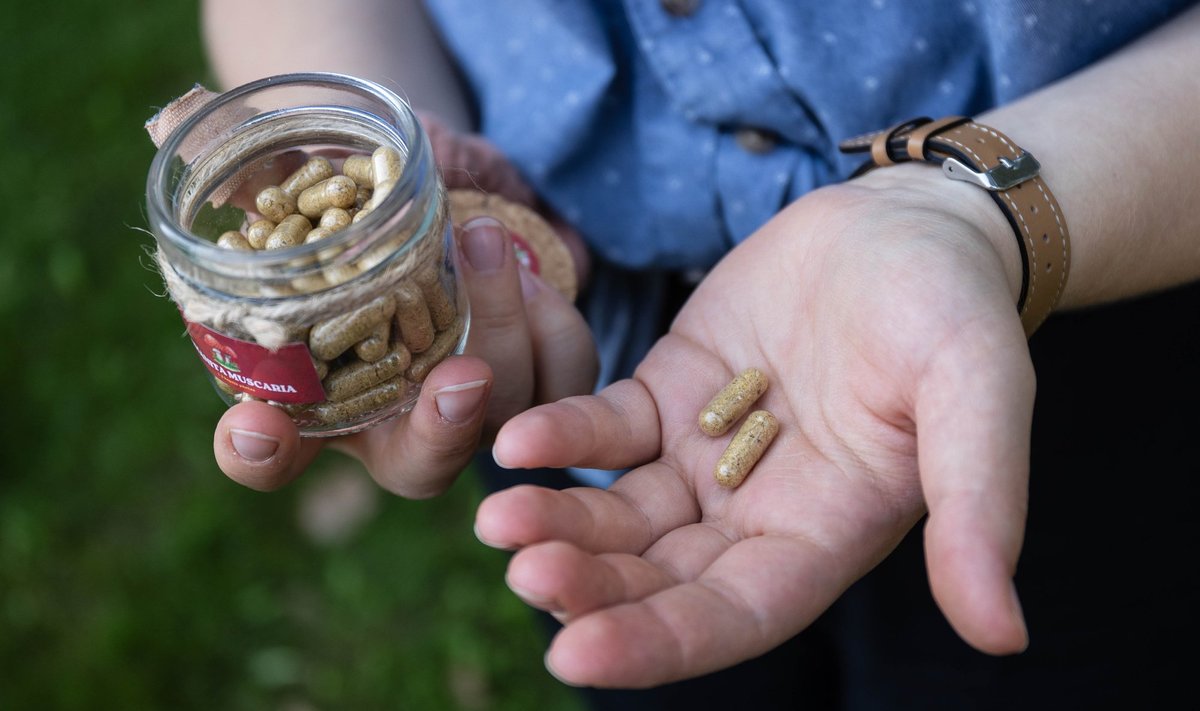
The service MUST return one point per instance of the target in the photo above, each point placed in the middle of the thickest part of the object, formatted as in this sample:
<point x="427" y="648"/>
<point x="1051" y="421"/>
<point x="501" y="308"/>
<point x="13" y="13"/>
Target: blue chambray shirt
<point x="666" y="139"/>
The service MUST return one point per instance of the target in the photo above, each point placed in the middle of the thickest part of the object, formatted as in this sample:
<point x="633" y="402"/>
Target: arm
<point x="519" y="324"/>
<point x="391" y="42"/>
<point x="882" y="311"/>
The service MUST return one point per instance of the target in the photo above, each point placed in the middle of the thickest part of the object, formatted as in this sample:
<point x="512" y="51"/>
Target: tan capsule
<point x="233" y="240"/>
<point x="289" y="233"/>
<point x="317" y="233"/>
<point x="746" y="448"/>
<point x="413" y="323"/>
<point x="360" y="215"/>
<point x="364" y="403"/>
<point x="258" y="232"/>
<point x="443" y="345"/>
<point x="335" y="218"/>
<point x="322" y="367"/>
<point x="441" y="309"/>
<point x="362" y="196"/>
<point x="358" y="168"/>
<point x="728" y="405"/>
<point x="274" y="204"/>
<point x="331" y="338"/>
<point x="352" y="379"/>
<point x="380" y="192"/>
<point x="386" y="166"/>
<point x="374" y="346"/>
<point x="307" y="175"/>
<point x="338" y="191"/>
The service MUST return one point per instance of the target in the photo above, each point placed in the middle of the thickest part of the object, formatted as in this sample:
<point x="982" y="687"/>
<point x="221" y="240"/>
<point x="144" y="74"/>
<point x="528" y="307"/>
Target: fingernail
<point x="530" y="284"/>
<point x="496" y="459"/>
<point x="543" y="603"/>
<point x="490" y="543"/>
<point x="253" y="446"/>
<point x="483" y="243"/>
<point x="457" y="403"/>
<point x="554" y="672"/>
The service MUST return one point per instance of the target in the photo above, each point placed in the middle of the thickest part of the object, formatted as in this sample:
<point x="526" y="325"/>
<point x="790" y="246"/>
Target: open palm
<point x="901" y="379"/>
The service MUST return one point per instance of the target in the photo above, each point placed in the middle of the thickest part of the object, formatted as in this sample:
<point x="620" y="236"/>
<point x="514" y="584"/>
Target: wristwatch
<point x="983" y="156"/>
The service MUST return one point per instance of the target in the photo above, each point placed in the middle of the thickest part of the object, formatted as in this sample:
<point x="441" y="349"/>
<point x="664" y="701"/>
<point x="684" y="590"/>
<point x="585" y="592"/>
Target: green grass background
<point x="133" y="574"/>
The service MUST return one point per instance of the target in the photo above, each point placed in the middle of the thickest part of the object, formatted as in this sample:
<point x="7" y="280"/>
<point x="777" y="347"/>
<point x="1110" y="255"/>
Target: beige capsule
<point x="321" y="366"/>
<point x="443" y="345"/>
<point x="233" y="240"/>
<point x="354" y="378"/>
<point x="386" y="166"/>
<point x="274" y="204"/>
<point x="357" y="167"/>
<point x="441" y="309"/>
<point x="329" y="339"/>
<point x="312" y="172"/>
<point x="746" y="448"/>
<point x="338" y="191"/>
<point x="364" y="403"/>
<point x="374" y="346"/>
<point x="289" y="232"/>
<point x="413" y="322"/>
<point x="335" y="218"/>
<point x="258" y="232"/>
<point x="728" y="405"/>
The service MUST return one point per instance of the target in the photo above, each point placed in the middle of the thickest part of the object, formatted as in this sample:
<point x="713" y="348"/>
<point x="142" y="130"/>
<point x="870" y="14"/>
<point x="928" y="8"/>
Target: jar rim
<point x="160" y="197"/>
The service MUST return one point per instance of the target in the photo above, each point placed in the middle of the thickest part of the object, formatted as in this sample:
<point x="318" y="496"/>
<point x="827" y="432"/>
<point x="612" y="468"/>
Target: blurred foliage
<point x="133" y="575"/>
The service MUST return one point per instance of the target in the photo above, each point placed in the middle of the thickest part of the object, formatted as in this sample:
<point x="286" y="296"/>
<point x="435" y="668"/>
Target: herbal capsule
<point x="274" y="204"/>
<point x="338" y="191"/>
<point x="358" y="168"/>
<point x="728" y="405"/>
<point x="413" y="322"/>
<point x="335" y="218"/>
<point x="350" y="380"/>
<point x="361" y="404"/>
<point x="329" y="339"/>
<point x="258" y="232"/>
<point x="322" y="367"/>
<point x="441" y="309"/>
<point x="746" y="448"/>
<point x="308" y="175"/>
<point x="233" y="240"/>
<point x="442" y="346"/>
<point x="386" y="166"/>
<point x="289" y="233"/>
<point x="374" y="346"/>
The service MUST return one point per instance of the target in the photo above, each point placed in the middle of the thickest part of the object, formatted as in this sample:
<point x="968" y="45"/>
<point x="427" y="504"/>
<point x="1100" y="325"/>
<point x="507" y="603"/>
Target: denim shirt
<point x="667" y="138"/>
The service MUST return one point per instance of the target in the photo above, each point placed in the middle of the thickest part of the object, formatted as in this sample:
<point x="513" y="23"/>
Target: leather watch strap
<point x="978" y="154"/>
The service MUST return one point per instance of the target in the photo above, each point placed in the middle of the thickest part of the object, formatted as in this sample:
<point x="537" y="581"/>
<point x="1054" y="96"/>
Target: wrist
<point x="923" y="186"/>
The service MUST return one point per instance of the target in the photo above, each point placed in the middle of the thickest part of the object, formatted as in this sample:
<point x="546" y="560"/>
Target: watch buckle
<point x="1008" y="174"/>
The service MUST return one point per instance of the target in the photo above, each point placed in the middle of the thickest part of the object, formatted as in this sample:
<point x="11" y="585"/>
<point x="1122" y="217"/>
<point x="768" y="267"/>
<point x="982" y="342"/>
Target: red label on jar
<point x="284" y="375"/>
<point x="525" y="255"/>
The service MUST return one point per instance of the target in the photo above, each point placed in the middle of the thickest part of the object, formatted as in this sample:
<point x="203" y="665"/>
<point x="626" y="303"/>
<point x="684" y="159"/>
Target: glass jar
<point x="336" y="326"/>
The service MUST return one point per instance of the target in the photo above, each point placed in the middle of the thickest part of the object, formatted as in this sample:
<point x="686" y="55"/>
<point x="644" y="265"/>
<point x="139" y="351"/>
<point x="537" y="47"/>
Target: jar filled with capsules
<point x="303" y="231"/>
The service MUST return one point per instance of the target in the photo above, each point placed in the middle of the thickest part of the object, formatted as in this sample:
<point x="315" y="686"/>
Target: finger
<point x="499" y="330"/>
<point x="754" y="597"/>
<point x="471" y="161"/>
<point x="973" y="429"/>
<point x="561" y="578"/>
<point x="258" y="446"/>
<point x="419" y="455"/>
<point x="564" y="354"/>
<point x="614" y="429"/>
<point x="628" y="517"/>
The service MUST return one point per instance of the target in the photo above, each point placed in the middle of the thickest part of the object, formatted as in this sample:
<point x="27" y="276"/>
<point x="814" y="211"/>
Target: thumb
<point x="974" y="414"/>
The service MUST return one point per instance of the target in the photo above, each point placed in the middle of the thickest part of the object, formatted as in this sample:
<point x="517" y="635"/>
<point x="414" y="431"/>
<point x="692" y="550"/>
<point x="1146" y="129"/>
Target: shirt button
<point x="758" y="141"/>
<point x="680" y="8"/>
